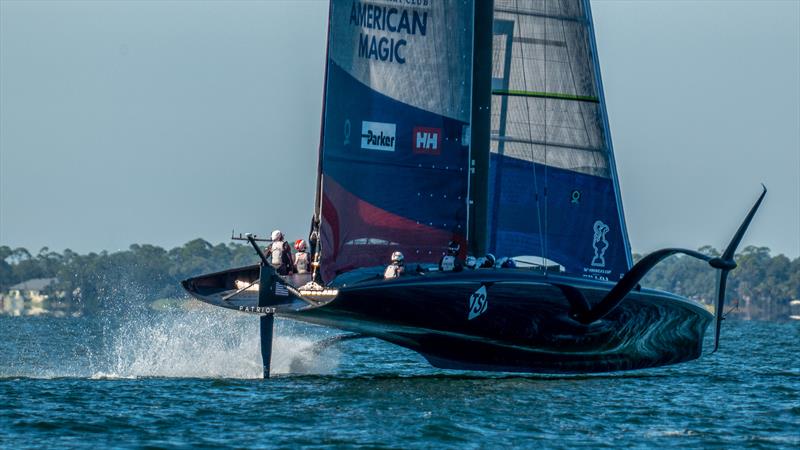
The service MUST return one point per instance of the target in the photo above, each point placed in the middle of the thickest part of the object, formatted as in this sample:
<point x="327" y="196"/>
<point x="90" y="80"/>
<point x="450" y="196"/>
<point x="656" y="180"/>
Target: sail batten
<point x="532" y="13"/>
<point x="508" y="138"/>
<point x="551" y="95"/>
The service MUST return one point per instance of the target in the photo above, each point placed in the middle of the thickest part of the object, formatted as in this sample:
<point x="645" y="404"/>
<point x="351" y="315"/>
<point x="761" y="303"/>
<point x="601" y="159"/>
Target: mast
<point x="313" y="235"/>
<point x="478" y="232"/>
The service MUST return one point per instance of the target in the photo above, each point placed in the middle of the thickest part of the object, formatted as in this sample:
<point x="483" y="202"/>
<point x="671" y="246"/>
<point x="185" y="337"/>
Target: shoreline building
<point x="26" y="298"/>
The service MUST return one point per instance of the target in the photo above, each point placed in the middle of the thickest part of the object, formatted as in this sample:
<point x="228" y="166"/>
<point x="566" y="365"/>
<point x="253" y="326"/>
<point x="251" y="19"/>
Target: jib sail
<point x="395" y="141"/>
<point x="553" y="189"/>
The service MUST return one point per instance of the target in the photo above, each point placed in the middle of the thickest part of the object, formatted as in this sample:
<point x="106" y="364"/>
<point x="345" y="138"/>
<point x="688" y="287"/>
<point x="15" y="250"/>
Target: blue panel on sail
<point x="577" y="229"/>
<point x="421" y="171"/>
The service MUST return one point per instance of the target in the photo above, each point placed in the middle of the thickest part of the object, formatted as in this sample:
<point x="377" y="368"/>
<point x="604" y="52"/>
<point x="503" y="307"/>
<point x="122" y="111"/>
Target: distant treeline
<point x="145" y="272"/>
<point x="762" y="286"/>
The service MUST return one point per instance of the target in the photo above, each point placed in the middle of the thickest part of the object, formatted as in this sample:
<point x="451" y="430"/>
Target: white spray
<point x="204" y="341"/>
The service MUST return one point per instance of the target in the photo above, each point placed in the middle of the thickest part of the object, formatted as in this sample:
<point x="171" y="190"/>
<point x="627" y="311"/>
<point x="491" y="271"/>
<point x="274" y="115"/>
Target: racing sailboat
<point x="482" y="123"/>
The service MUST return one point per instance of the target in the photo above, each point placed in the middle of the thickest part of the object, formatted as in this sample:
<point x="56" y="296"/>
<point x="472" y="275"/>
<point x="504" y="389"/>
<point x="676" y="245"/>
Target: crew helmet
<point x="453" y="247"/>
<point x="397" y="258"/>
<point x="488" y="261"/>
<point x="471" y="262"/>
<point x="300" y="245"/>
<point x="508" y="263"/>
<point x="277" y="235"/>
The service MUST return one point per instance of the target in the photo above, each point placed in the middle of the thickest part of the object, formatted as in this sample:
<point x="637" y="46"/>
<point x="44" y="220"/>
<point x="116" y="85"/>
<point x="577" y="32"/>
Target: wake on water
<point x="129" y="340"/>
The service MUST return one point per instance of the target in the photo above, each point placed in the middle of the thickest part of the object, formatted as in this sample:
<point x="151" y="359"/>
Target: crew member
<point x="450" y="262"/>
<point x="508" y="263"/>
<point x="280" y="254"/>
<point x="471" y="262"/>
<point x="396" y="268"/>
<point x="301" y="257"/>
<point x="487" y="262"/>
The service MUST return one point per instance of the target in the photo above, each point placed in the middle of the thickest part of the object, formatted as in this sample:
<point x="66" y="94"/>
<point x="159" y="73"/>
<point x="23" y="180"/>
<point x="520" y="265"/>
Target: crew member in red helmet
<point x="301" y="263"/>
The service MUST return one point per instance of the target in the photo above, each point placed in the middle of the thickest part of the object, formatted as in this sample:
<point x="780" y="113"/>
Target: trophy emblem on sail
<point x="600" y="244"/>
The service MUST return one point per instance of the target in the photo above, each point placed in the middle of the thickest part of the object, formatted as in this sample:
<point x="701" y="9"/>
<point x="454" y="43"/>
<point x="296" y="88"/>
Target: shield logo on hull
<point x="478" y="302"/>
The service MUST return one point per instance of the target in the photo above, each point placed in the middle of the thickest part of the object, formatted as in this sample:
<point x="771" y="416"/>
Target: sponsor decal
<point x="427" y="141"/>
<point x="384" y="29"/>
<point x="599" y="243"/>
<point x="257" y="309"/>
<point x="378" y="136"/>
<point x="478" y="302"/>
<point x="281" y="290"/>
<point x="598" y="270"/>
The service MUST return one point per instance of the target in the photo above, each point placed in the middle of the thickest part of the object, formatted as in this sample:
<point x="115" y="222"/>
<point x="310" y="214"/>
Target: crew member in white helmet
<point x="301" y="257"/>
<point x="450" y="262"/>
<point x="280" y="254"/>
<point x="395" y="269"/>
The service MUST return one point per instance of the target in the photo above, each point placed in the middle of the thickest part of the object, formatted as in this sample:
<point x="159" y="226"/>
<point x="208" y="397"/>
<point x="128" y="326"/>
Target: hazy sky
<point x="158" y="122"/>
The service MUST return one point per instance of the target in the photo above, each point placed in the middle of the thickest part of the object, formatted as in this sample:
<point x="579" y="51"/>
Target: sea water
<point x="130" y="377"/>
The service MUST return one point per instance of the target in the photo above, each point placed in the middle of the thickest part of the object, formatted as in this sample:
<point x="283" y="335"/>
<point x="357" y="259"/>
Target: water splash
<point x="203" y="342"/>
<point x="130" y="340"/>
<point x="207" y="342"/>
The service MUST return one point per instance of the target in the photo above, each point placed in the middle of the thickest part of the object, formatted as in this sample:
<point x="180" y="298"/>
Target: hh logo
<point x="478" y="302"/>
<point x="427" y="141"/>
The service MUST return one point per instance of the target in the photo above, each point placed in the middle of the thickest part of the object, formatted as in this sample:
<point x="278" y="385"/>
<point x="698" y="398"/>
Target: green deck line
<point x="555" y="95"/>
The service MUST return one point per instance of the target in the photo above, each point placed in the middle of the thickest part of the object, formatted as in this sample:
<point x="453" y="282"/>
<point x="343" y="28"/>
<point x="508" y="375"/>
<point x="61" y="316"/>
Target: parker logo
<point x="427" y="141"/>
<point x="378" y="136"/>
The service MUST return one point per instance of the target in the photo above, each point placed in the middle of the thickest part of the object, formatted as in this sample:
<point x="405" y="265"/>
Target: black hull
<point x="525" y="327"/>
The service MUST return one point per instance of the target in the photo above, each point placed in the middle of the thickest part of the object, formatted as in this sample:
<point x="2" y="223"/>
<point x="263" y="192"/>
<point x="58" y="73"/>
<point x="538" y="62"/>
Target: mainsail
<point x="402" y="91"/>
<point x="395" y="145"/>
<point x="553" y="189"/>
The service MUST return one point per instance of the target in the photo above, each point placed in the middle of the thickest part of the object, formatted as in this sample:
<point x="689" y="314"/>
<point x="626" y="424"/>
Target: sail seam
<point x="535" y="41"/>
<point x="537" y="14"/>
<point x="353" y="160"/>
<point x="518" y="140"/>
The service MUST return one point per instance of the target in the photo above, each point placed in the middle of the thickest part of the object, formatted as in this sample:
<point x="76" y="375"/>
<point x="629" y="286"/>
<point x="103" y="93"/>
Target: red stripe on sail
<point x="356" y="234"/>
